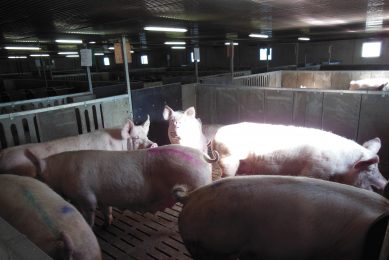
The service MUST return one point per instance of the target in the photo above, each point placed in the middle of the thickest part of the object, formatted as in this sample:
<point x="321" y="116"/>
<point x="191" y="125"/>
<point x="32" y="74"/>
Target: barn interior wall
<point x="346" y="52"/>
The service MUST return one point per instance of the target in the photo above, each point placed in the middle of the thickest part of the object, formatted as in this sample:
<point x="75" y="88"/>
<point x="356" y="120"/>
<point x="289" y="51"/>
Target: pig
<point x="129" y="137"/>
<point x="49" y="221"/>
<point x="253" y="148"/>
<point x="281" y="217"/>
<point x="185" y="129"/>
<point x="136" y="180"/>
<point x="380" y="84"/>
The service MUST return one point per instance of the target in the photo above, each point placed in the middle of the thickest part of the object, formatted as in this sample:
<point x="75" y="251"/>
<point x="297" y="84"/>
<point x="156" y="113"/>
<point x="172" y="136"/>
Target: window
<point x="144" y="59"/>
<point x="371" y="49"/>
<point x="265" y="53"/>
<point x="192" y="57"/>
<point x="106" y="61"/>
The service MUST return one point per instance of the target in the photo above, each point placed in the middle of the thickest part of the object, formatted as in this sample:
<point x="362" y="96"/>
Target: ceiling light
<point x="17" y="57"/>
<point x="255" y="35"/>
<point x="68" y="41"/>
<point x="99" y="54"/>
<point x="72" y="56"/>
<point x="111" y="48"/>
<point x="164" y="29"/>
<point x="92" y="42"/>
<point x="22" y="48"/>
<point x="234" y="43"/>
<point x="39" y="55"/>
<point x="178" y="47"/>
<point x="67" y="53"/>
<point x="303" y="38"/>
<point x="132" y="51"/>
<point x="175" y="43"/>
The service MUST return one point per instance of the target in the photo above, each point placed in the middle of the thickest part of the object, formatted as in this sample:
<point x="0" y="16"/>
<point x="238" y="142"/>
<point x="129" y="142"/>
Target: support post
<point x="125" y="61"/>
<point x="89" y="79"/>
<point x="232" y="59"/>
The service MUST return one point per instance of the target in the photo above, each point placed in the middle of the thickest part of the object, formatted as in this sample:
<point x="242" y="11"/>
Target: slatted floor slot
<point x="134" y="235"/>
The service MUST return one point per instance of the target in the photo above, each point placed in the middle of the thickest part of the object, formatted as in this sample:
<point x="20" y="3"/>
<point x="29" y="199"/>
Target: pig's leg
<point x="87" y="204"/>
<point x="229" y="166"/>
<point x="108" y="218"/>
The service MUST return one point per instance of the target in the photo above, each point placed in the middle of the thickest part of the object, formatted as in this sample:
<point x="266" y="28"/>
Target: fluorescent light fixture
<point x="304" y="38"/>
<point x="175" y="43"/>
<point x="22" y="48"/>
<point x="17" y="57"/>
<point x="111" y="48"/>
<point x="67" y="53"/>
<point x="371" y="49"/>
<point x="39" y="55"/>
<point x="234" y="43"/>
<point x="132" y="51"/>
<point x="68" y="41"/>
<point x="164" y="29"/>
<point x="72" y="56"/>
<point x="178" y="47"/>
<point x="255" y="35"/>
<point x="99" y="54"/>
<point x="92" y="42"/>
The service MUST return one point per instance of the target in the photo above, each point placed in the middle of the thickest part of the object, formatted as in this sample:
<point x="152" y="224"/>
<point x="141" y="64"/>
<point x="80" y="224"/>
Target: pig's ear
<point x="65" y="242"/>
<point x="39" y="164"/>
<point x="127" y="128"/>
<point x="146" y="124"/>
<point x="363" y="164"/>
<point x="190" y="112"/>
<point x="373" y="145"/>
<point x="167" y="112"/>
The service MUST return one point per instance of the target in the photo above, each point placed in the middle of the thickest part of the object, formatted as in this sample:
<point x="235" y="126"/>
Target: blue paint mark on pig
<point x="66" y="209"/>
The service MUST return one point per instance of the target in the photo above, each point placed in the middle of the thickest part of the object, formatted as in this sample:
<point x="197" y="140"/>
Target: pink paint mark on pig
<point x="174" y="152"/>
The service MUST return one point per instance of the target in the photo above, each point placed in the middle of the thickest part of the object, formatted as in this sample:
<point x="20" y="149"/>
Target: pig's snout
<point x="154" y="145"/>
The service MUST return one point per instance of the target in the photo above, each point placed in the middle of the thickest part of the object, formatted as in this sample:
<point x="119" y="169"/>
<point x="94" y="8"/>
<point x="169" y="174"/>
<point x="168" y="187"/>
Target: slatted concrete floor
<point x="143" y="236"/>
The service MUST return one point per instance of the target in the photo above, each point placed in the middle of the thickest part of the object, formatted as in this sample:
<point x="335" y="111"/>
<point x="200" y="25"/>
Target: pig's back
<point x="299" y="216"/>
<point x="42" y="215"/>
<point x="267" y="138"/>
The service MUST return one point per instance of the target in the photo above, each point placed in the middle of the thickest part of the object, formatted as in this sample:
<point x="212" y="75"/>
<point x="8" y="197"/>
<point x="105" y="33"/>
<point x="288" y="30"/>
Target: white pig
<point x="282" y="217"/>
<point x="49" y="221"/>
<point x="136" y="180"/>
<point x="253" y="148"/>
<point x="13" y="160"/>
<point x="370" y="84"/>
<point x="185" y="129"/>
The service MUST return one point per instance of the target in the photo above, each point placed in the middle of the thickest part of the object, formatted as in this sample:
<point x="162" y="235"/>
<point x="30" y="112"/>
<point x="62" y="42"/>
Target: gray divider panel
<point x="374" y="123"/>
<point x="251" y="104"/>
<point x="308" y="109"/>
<point x="57" y="124"/>
<point x="278" y="107"/>
<point x="206" y="104"/>
<point x="227" y="108"/>
<point x="341" y="113"/>
<point x="115" y="113"/>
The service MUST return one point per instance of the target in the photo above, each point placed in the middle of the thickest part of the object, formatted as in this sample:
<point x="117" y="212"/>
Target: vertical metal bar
<point x="127" y="77"/>
<point x="43" y="66"/>
<point x="196" y="70"/>
<point x="232" y="59"/>
<point x="89" y="79"/>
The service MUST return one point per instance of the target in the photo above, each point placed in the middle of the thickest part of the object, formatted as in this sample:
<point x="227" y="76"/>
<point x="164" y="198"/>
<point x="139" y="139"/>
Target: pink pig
<point x="282" y="217"/>
<point x="130" y="137"/>
<point x="253" y="148"/>
<point x="49" y="221"/>
<point x="136" y="180"/>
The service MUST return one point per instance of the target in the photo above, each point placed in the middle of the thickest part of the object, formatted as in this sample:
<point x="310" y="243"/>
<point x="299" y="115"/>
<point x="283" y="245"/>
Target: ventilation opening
<point x="38" y="137"/>
<point x="27" y="132"/>
<point x="88" y="128"/>
<point x="3" y="141"/>
<point x="95" y="117"/>
<point x="15" y="136"/>
<point x="78" y="119"/>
